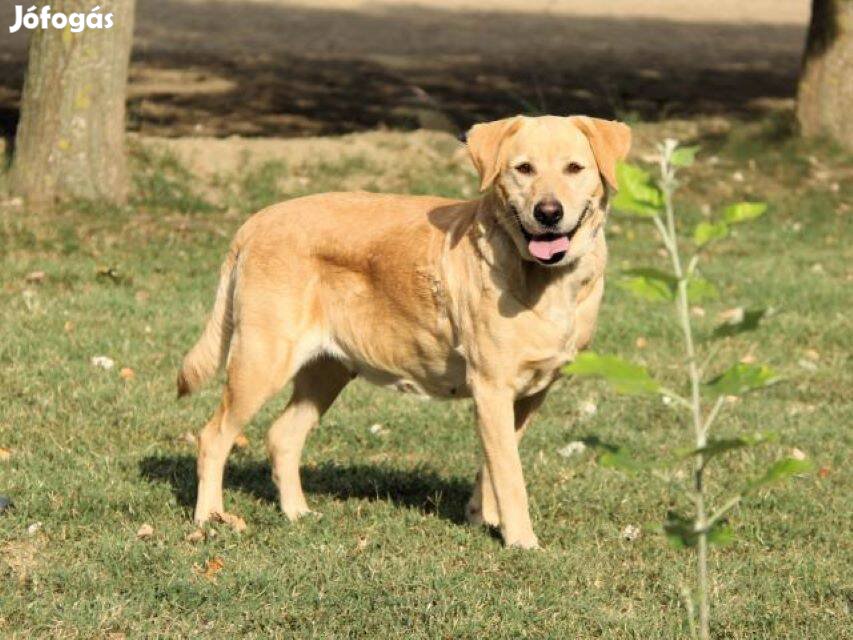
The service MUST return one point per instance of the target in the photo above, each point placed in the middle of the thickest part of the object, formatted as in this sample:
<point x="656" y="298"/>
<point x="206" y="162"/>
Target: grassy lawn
<point x="94" y="455"/>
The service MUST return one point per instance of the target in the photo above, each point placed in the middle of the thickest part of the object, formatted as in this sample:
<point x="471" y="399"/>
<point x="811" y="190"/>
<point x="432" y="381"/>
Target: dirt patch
<point x="306" y="68"/>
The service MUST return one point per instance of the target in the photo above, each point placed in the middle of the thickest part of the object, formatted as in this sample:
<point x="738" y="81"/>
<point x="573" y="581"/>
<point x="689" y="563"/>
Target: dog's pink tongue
<point x="547" y="249"/>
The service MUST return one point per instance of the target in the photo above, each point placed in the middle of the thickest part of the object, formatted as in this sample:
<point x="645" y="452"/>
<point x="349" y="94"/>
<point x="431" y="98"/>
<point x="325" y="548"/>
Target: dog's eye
<point x="574" y="167"/>
<point x="525" y="168"/>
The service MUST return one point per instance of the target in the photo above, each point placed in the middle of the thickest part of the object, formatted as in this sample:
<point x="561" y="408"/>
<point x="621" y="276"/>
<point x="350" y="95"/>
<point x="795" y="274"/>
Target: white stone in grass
<point x="104" y="362"/>
<point x="798" y="454"/>
<point x="576" y="447"/>
<point x="378" y="430"/>
<point x="33" y="528"/>
<point x="631" y="532"/>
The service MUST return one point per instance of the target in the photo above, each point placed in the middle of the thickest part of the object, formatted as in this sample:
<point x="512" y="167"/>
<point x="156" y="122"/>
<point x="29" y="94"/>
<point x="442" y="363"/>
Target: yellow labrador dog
<point x="485" y="298"/>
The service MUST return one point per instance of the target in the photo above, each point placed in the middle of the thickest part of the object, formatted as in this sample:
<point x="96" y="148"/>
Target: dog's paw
<point x="522" y="542"/>
<point x="295" y="513"/>
<point x="475" y="515"/>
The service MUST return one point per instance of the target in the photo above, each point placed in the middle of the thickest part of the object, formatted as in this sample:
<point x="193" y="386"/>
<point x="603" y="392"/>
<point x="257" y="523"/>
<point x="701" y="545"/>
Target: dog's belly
<point x="430" y="378"/>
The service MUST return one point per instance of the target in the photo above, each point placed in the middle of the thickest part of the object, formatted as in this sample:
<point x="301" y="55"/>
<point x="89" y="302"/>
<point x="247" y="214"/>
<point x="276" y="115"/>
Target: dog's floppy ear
<point x="484" y="145"/>
<point x="610" y="141"/>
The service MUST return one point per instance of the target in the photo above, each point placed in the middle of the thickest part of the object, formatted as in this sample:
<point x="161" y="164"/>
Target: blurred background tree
<point x="825" y="95"/>
<point x="70" y="139"/>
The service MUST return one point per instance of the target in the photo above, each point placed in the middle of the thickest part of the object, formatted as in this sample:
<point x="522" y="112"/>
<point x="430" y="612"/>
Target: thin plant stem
<point x="668" y="231"/>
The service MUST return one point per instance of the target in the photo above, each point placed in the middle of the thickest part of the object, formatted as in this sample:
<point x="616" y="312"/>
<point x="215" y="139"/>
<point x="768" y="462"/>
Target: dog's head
<point x="551" y="175"/>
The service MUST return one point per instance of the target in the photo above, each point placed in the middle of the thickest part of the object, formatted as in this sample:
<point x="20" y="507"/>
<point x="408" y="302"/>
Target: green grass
<point x="95" y="456"/>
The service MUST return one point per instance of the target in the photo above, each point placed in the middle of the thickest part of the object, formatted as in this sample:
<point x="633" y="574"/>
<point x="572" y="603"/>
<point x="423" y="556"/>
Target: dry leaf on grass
<point x="195" y="536"/>
<point x="127" y="373"/>
<point x="68" y="326"/>
<point x="5" y="454"/>
<point x="145" y="531"/>
<point x="235" y="522"/>
<point x="104" y="362"/>
<point x="641" y="342"/>
<point x="241" y="441"/>
<point x="212" y="566"/>
<point x="631" y="532"/>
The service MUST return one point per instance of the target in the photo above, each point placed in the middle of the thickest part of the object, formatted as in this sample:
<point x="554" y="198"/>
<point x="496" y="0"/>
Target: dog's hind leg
<point x="315" y="388"/>
<point x="259" y="365"/>
<point x="482" y="508"/>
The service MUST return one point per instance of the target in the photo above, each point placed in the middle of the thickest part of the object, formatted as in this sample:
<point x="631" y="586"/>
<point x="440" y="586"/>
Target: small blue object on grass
<point x="5" y="503"/>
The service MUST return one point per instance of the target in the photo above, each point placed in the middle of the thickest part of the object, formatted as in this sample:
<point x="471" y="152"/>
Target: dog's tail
<point x="211" y="350"/>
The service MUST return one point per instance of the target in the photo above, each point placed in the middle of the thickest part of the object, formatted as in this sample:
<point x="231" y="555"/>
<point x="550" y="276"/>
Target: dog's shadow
<point x="417" y="488"/>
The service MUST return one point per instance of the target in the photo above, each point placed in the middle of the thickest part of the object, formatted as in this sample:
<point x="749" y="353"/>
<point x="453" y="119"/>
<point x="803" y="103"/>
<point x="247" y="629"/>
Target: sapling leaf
<point x="742" y="378"/>
<point x="700" y="290"/>
<point x="637" y="195"/>
<point x="706" y="232"/>
<point x="647" y="288"/>
<point x="625" y="377"/>
<point x="744" y="211"/>
<point x="748" y="322"/>
<point x="683" y="156"/>
<point x="780" y="470"/>
<point x="681" y="532"/>
<point x="717" y="446"/>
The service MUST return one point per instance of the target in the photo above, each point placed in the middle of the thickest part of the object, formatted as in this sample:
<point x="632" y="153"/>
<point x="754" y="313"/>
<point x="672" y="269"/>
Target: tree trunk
<point x="825" y="96"/>
<point x="70" y="139"/>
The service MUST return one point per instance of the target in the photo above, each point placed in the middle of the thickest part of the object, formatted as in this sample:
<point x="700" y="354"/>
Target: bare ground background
<point x="297" y="68"/>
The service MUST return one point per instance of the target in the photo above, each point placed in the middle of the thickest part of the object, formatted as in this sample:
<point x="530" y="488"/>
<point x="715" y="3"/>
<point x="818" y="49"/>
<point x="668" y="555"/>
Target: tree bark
<point x="70" y="138"/>
<point x="825" y="95"/>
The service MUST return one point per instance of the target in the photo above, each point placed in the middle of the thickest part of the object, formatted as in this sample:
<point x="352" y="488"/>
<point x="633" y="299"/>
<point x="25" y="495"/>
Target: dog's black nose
<point x="548" y="212"/>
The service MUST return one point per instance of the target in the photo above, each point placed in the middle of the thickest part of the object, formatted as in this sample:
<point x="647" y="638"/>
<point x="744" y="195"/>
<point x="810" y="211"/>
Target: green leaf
<point x="637" y="194"/>
<point x="647" y="288"/>
<point x="780" y="470"/>
<point x="744" y="211"/>
<point x="682" y="533"/>
<point x="625" y="377"/>
<point x="717" y="446"/>
<point x="749" y="322"/>
<point x="742" y="378"/>
<point x="700" y="290"/>
<point x="706" y="232"/>
<point x="683" y="156"/>
<point x="620" y="459"/>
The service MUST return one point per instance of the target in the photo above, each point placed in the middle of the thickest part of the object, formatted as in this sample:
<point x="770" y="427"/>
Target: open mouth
<point x="549" y="248"/>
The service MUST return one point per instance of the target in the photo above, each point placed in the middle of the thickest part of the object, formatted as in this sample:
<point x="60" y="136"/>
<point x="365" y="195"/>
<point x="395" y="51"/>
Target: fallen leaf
<point x="798" y="454"/>
<point x="195" y="536"/>
<point x="127" y="373"/>
<point x="5" y="454"/>
<point x="808" y="365"/>
<point x="104" y="362"/>
<point x="588" y="408"/>
<point x="145" y="531"/>
<point x="235" y="522"/>
<point x="823" y="472"/>
<point x="69" y="326"/>
<point x="748" y="359"/>
<point x="212" y="566"/>
<point x="573" y="448"/>
<point x="731" y="316"/>
<point x="241" y="441"/>
<point x="641" y="342"/>
<point x="631" y="532"/>
<point x="811" y="354"/>
<point x="35" y="276"/>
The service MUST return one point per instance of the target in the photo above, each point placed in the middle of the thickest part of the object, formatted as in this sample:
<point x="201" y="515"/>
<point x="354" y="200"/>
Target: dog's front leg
<point x="496" y="426"/>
